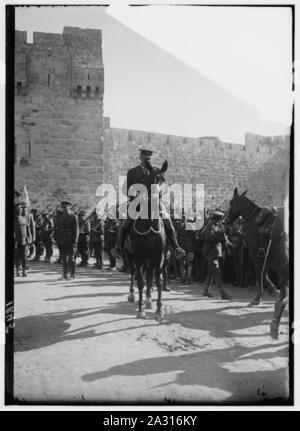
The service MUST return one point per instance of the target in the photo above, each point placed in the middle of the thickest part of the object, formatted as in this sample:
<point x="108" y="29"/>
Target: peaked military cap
<point x="66" y="203"/>
<point x="146" y="152"/>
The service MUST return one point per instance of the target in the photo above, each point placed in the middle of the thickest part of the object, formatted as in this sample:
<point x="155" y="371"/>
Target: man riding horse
<point x="139" y="175"/>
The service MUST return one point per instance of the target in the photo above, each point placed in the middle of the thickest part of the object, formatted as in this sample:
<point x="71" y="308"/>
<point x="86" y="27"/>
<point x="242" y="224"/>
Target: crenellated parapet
<point x="65" y="65"/>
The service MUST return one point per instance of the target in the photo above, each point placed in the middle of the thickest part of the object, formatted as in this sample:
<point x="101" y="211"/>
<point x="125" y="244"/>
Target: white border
<point x="2" y="217"/>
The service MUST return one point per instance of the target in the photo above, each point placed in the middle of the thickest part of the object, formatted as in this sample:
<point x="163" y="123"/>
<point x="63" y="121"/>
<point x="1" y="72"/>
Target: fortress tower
<point x="59" y="86"/>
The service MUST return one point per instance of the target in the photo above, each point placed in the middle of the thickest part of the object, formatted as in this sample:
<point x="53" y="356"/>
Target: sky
<point x="187" y="70"/>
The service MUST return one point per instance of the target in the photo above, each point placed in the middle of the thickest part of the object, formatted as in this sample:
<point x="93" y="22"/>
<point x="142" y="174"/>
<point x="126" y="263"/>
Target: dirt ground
<point x="80" y="341"/>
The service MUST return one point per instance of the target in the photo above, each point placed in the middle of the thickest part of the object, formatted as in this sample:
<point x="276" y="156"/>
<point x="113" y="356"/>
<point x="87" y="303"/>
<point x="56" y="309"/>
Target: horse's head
<point x="156" y="176"/>
<point x="234" y="206"/>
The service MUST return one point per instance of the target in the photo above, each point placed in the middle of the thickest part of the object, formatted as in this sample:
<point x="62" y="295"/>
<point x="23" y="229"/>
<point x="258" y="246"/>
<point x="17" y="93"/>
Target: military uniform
<point x="97" y="232"/>
<point x="111" y="228"/>
<point x="140" y="175"/>
<point x="214" y="237"/>
<point x="84" y="239"/>
<point x="200" y="260"/>
<point x="22" y="237"/>
<point x="56" y="219"/>
<point x="31" y="228"/>
<point x="32" y="247"/>
<point x="66" y="236"/>
<point x="47" y="230"/>
<point x="186" y="239"/>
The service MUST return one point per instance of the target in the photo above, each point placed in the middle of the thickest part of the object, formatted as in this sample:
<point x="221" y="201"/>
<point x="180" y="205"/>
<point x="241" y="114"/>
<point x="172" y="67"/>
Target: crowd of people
<point x="214" y="253"/>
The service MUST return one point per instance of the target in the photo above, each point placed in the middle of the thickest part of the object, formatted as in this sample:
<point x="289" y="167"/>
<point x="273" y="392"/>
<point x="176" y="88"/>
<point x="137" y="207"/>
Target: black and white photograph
<point x="149" y="216"/>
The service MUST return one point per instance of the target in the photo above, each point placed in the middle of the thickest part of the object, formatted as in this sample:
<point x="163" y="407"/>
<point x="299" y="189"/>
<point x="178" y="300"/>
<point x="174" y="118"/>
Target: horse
<point x="268" y="250"/>
<point x="147" y="246"/>
<point x="164" y="270"/>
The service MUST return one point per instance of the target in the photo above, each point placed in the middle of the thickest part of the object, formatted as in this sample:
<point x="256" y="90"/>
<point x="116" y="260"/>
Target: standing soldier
<point x="66" y="235"/>
<point x="57" y="215"/>
<point x="84" y="239"/>
<point x="214" y="236"/>
<point x="21" y="238"/>
<point x="47" y="230"/>
<point x="94" y="222"/>
<point x="186" y="240"/>
<point x="34" y="214"/>
<point x="31" y="225"/>
<point x="39" y="248"/>
<point x="111" y="228"/>
<point x="98" y="242"/>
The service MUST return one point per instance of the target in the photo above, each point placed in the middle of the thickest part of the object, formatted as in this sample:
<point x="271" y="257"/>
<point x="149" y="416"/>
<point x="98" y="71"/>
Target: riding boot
<point x="100" y="261"/>
<point x="17" y="270"/>
<point x="170" y="231"/>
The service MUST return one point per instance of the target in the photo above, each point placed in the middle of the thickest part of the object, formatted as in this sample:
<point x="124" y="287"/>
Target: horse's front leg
<point x="159" y="313"/>
<point x="272" y="288"/>
<point x="131" y="297"/>
<point x="259" y="272"/>
<point x="140" y="282"/>
<point x="280" y="305"/>
<point x="149" y="286"/>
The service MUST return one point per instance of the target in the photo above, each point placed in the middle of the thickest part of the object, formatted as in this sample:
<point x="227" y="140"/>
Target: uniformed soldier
<point x="139" y="175"/>
<point x="47" y="231"/>
<point x="58" y="213"/>
<point x="186" y="240"/>
<point x="97" y="233"/>
<point x="111" y="227"/>
<point x="39" y="248"/>
<point x="22" y="237"/>
<point x="93" y="221"/>
<point x="32" y="246"/>
<point x="30" y="221"/>
<point x="84" y="238"/>
<point x="66" y="236"/>
<point x="214" y="236"/>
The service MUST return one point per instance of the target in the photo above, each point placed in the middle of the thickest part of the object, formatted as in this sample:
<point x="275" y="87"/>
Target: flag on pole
<point x="25" y="197"/>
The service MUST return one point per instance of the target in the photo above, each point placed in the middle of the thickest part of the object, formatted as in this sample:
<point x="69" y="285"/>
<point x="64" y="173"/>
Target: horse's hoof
<point x="274" y="330"/>
<point x="141" y="315"/>
<point x="159" y="316"/>
<point x="131" y="299"/>
<point x="149" y="305"/>
<point x="256" y="301"/>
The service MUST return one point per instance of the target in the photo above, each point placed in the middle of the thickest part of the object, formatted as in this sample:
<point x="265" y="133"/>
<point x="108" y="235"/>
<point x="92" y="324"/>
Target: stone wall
<point x="260" y="165"/>
<point x="59" y="85"/>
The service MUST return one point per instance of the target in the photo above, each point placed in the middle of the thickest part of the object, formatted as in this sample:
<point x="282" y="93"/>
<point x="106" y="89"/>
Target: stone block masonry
<point x="59" y="86"/>
<point x="64" y="145"/>
<point x="261" y="165"/>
